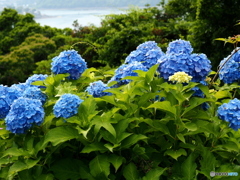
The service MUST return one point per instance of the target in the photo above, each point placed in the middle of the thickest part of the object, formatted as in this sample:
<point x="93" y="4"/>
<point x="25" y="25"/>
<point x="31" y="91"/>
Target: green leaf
<point x="157" y="125"/>
<point x="116" y="161"/>
<point x="204" y="89"/>
<point x="229" y="146"/>
<point x="87" y="111"/>
<point x="191" y="126"/>
<point x="175" y="153"/>
<point x="73" y="169"/>
<point x="151" y="72"/>
<point x="132" y="139"/>
<point x="109" y="99"/>
<point x="164" y="106"/>
<point x="130" y="172"/>
<point x="106" y="120"/>
<point x="94" y="147"/>
<point x="21" y="165"/>
<point x="208" y="161"/>
<point x="194" y="102"/>
<point x="14" y="151"/>
<point x="181" y="138"/>
<point x="222" y="94"/>
<point x="154" y="174"/>
<point x="110" y="147"/>
<point x="189" y="168"/>
<point x="83" y="132"/>
<point x="100" y="165"/>
<point x="45" y="177"/>
<point x="61" y="134"/>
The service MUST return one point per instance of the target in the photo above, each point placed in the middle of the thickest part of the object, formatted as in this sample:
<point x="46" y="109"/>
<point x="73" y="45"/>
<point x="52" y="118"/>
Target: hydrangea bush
<point x="157" y="117"/>
<point x="23" y="114"/>
<point x="69" y="62"/>
<point x="96" y="89"/>
<point x="67" y="106"/>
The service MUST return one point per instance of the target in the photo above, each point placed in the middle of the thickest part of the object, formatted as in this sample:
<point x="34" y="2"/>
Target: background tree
<point x="207" y="21"/>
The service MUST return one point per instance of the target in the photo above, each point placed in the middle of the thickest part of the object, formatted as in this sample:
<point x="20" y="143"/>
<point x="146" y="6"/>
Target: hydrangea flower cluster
<point x="67" y="106"/>
<point x="179" y="58"/>
<point x="36" y="77"/>
<point x="146" y="46"/>
<point x="230" y="112"/>
<point x="180" y="77"/>
<point x="24" y="113"/>
<point x="69" y="62"/>
<point x="179" y="46"/>
<point x="147" y="53"/>
<point x="127" y="70"/>
<point x="96" y="89"/>
<point x="229" y="73"/>
<point x="7" y="96"/>
<point x="4" y="108"/>
<point x="34" y="93"/>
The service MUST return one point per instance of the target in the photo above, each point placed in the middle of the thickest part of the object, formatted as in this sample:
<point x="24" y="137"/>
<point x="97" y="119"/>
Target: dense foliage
<point x="145" y="128"/>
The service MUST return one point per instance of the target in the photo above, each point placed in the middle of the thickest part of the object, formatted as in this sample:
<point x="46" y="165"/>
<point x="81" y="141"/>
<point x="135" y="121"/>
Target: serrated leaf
<point x="116" y="161"/>
<point x="191" y="126"/>
<point x="132" y="139"/>
<point x="154" y="174"/>
<point x="176" y="153"/>
<point x="100" y="165"/>
<point x="151" y="72"/>
<point x="83" y="132"/>
<point x="87" y="110"/>
<point x="110" y="147"/>
<point x="222" y="94"/>
<point x="194" y="102"/>
<point x="208" y="161"/>
<point x="189" y="168"/>
<point x="94" y="147"/>
<point x="22" y="165"/>
<point x="14" y="151"/>
<point x="130" y="172"/>
<point x="164" y="106"/>
<point x="60" y="134"/>
<point x="181" y="138"/>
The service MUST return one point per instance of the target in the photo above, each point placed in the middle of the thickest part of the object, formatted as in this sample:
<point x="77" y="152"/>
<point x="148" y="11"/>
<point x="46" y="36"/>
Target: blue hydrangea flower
<point x="67" y="106"/>
<point x="96" y="89"/>
<point x="35" y="93"/>
<point x="147" y="53"/>
<point x="127" y="70"/>
<point x="195" y="65"/>
<point x="4" y="107"/>
<point x="179" y="46"/>
<point x="7" y="96"/>
<point x="152" y="57"/>
<point x="230" y="112"/>
<point x="69" y="62"/>
<point x="136" y="55"/>
<point x="36" y="77"/>
<point x="201" y="67"/>
<point x="147" y="46"/>
<point x="20" y="87"/>
<point x="229" y="73"/>
<point x="172" y="63"/>
<point x="24" y="113"/>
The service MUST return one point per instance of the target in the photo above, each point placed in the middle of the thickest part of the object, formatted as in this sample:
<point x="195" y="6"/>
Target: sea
<point x="64" y="18"/>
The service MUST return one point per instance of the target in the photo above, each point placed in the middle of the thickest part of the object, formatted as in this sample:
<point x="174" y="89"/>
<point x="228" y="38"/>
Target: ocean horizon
<point x="64" y="18"/>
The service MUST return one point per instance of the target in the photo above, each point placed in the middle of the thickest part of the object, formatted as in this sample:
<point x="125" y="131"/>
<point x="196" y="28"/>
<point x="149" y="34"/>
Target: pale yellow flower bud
<point x="180" y="77"/>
